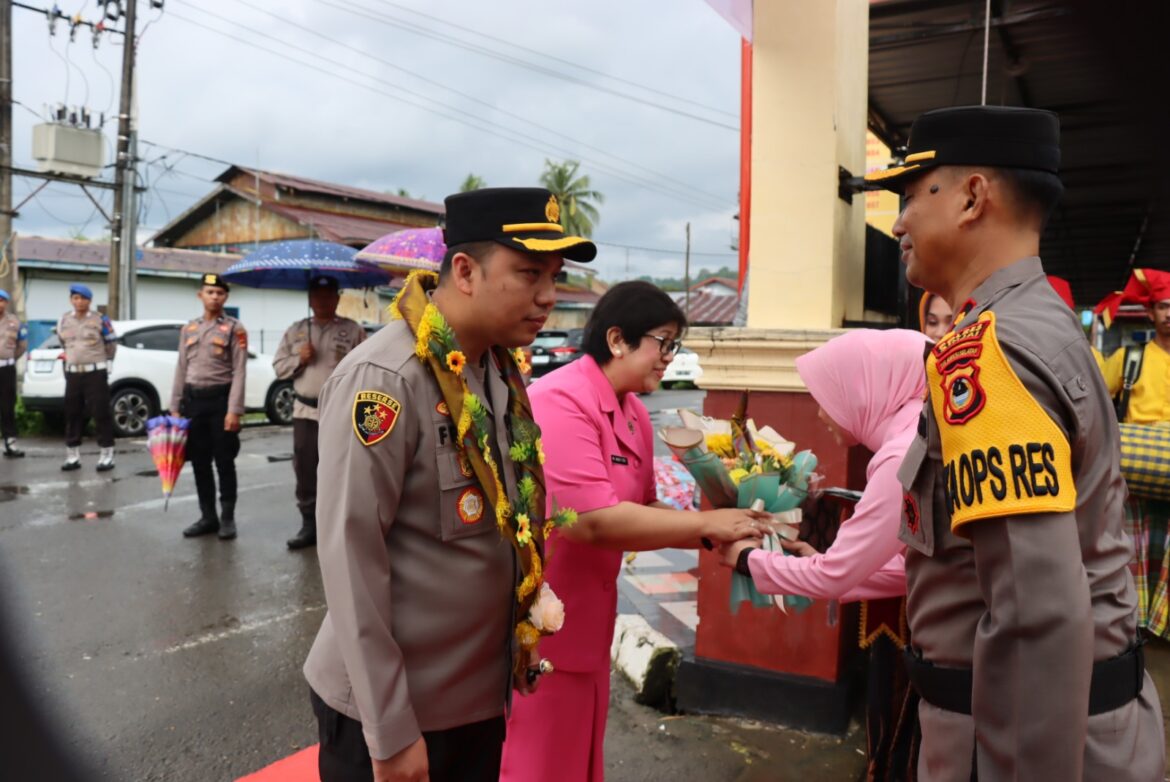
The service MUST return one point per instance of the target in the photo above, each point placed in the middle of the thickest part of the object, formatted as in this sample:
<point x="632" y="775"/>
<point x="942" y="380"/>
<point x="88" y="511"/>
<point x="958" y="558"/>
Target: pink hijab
<point x="872" y="384"/>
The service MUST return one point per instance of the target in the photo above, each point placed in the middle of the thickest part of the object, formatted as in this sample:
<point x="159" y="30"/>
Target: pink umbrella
<point x="412" y="248"/>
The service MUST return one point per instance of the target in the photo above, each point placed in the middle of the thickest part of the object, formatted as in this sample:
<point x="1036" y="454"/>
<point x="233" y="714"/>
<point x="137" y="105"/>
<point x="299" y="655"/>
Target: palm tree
<point x="473" y="182"/>
<point x="578" y="213"/>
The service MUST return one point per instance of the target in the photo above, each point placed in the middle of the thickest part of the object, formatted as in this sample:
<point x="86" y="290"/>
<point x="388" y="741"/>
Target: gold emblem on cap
<point x="552" y="210"/>
<point x="209" y="279"/>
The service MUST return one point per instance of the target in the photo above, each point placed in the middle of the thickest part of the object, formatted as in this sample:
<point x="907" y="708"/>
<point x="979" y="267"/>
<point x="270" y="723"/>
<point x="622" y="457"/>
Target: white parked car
<point x="142" y="375"/>
<point x="684" y="369"/>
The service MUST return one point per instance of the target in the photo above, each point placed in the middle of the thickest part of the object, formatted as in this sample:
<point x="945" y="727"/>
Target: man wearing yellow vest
<point x="1021" y="604"/>
<point x="1138" y="377"/>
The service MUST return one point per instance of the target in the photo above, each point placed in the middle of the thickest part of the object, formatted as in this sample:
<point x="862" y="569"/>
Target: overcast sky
<point x="354" y="116"/>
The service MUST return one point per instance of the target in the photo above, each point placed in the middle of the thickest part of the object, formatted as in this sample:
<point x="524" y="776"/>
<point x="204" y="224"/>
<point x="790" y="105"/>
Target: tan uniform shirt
<point x="13" y="337"/>
<point x="419" y="582"/>
<point x="1035" y="586"/>
<point x="332" y="341"/>
<point x="87" y="340"/>
<point x="212" y="353"/>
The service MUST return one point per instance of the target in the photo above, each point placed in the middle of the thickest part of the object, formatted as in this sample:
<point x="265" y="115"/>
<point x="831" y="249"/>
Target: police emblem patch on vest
<point x="374" y="416"/>
<point x="1003" y="454"/>
<point x="957" y="356"/>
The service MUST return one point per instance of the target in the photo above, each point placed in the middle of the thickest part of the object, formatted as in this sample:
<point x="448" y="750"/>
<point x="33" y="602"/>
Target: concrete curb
<point x="647" y="658"/>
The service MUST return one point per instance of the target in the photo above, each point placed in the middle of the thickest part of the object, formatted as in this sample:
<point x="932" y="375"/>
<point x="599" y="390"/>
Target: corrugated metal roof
<point x="1087" y="61"/>
<point x="334" y="227"/>
<point x="707" y="309"/>
<point x="304" y="184"/>
<point x="67" y="252"/>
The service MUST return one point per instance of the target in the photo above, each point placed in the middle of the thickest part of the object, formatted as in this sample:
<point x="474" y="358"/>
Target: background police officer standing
<point x="308" y="353"/>
<point x="209" y="390"/>
<point x="90" y="343"/>
<point x="13" y="344"/>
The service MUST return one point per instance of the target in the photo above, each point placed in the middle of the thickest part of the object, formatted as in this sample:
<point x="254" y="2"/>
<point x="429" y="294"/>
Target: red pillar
<point x="745" y="158"/>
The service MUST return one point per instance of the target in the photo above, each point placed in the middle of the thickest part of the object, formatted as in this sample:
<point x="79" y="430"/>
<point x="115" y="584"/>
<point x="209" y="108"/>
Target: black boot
<point x="227" y="520"/>
<point x="10" y="449"/>
<point x="207" y="524"/>
<point x="308" y="534"/>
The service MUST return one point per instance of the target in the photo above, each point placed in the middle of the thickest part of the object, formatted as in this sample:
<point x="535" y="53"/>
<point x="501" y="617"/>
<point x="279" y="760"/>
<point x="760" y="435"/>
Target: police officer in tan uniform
<point x="209" y="390"/>
<point x="1021" y="604"/>
<point x="412" y="668"/>
<point x="13" y="344"/>
<point x="90" y="343"/>
<point x="308" y="353"/>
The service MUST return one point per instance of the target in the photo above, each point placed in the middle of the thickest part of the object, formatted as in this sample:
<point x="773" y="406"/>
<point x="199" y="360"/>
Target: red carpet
<point x="301" y="767"/>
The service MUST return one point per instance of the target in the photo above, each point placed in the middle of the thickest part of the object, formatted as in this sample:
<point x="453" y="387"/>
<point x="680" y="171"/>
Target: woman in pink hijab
<point x="870" y="386"/>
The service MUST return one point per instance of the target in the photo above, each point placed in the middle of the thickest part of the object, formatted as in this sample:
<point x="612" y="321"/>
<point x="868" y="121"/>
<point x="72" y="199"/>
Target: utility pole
<point x="7" y="256"/>
<point x="123" y="246"/>
<point x="687" y="274"/>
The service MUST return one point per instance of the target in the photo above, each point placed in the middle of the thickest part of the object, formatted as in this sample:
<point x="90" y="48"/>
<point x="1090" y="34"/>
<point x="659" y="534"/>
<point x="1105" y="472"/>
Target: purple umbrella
<point x="412" y="248"/>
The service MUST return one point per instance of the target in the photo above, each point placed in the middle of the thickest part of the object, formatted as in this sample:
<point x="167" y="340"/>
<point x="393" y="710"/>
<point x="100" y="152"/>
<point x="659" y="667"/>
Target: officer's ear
<point x="974" y="192"/>
<point x="463" y="266"/>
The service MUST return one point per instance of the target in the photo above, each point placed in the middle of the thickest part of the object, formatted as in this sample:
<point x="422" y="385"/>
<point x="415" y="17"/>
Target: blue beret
<point x="81" y="290"/>
<point x="4" y="295"/>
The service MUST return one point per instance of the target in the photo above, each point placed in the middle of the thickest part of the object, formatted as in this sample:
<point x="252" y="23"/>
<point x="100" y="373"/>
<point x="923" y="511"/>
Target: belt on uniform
<point x="1115" y="682"/>
<point x="74" y="368"/>
<point x="7" y="362"/>
<point x="207" y="392"/>
<point x="311" y="401"/>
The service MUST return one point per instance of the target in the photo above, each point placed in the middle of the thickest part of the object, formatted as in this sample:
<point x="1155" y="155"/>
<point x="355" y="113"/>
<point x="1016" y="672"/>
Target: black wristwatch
<point x="741" y="564"/>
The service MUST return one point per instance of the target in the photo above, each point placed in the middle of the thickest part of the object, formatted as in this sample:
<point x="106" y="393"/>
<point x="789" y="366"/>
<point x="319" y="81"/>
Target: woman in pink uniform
<point x="870" y="386"/>
<point x="600" y="461"/>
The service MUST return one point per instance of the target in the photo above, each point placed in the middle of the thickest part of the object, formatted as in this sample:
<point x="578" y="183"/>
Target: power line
<point x="481" y="102"/>
<point x="664" y="251"/>
<point x="683" y="192"/>
<point x="391" y="21"/>
<point x="480" y="125"/>
<point x="546" y="56"/>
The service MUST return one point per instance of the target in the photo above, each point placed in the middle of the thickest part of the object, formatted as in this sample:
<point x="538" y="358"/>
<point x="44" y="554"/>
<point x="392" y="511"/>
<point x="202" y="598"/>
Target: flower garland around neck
<point x="519" y="518"/>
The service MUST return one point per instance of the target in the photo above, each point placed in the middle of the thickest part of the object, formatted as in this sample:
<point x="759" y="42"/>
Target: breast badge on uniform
<point x="470" y="506"/>
<point x="910" y="513"/>
<point x="442" y="410"/>
<point x="374" y="416"/>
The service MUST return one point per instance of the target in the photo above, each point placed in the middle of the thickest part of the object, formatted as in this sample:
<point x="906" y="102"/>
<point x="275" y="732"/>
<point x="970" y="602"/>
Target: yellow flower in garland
<point x="527" y="635"/>
<point x="539" y="452"/>
<point x="523" y="529"/>
<point x="456" y="361"/>
<point x="521" y="359"/>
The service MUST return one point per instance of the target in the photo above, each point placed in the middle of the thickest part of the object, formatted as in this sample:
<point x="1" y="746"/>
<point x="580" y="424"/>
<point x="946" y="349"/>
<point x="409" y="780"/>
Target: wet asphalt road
<point x="173" y="659"/>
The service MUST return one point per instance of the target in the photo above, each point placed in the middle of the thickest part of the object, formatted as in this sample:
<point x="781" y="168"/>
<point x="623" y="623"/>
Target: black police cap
<point x="992" y="136"/>
<point x="214" y="280"/>
<point x="523" y="218"/>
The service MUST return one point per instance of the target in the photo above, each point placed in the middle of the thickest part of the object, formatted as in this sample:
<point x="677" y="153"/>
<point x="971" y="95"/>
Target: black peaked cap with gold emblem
<point x="214" y="280"/>
<point x="523" y="218"/>
<point x="993" y="136"/>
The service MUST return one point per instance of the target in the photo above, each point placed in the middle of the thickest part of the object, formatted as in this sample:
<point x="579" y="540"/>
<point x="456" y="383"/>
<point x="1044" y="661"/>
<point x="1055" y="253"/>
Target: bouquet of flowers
<point x="737" y="465"/>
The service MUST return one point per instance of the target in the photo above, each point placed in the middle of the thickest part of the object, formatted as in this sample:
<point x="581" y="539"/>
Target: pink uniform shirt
<point x="599" y="452"/>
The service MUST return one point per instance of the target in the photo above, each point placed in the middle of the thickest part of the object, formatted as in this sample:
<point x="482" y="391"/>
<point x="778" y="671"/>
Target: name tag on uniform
<point x="619" y="460"/>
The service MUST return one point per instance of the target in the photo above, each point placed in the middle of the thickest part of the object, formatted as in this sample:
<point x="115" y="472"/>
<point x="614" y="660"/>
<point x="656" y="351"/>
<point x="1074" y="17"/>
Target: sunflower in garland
<point x="456" y="361"/>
